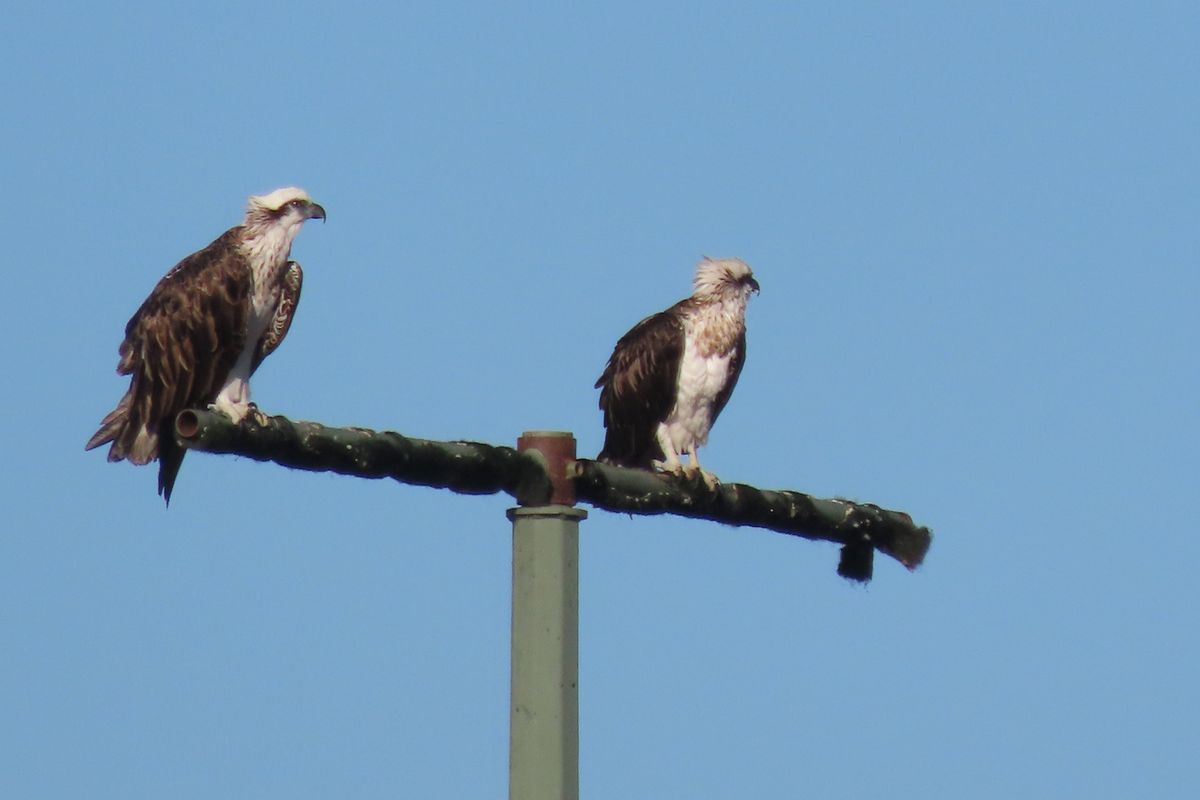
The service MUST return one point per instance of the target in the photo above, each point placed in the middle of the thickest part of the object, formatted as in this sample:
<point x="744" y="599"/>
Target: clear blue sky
<point x="975" y="226"/>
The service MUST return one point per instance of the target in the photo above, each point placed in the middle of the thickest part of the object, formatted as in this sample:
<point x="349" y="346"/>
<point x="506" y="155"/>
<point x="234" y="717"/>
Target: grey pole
<point x="544" y="723"/>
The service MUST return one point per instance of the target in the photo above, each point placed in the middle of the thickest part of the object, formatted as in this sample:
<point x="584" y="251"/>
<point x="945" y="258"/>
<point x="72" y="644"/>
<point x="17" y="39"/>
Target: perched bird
<point x="204" y="330"/>
<point x="669" y="377"/>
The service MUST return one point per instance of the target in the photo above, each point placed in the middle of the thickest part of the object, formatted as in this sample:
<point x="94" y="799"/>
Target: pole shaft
<point x="544" y="723"/>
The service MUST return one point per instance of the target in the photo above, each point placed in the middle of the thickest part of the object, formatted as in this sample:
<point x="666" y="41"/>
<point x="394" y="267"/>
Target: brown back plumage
<point x="179" y="347"/>
<point x="638" y="386"/>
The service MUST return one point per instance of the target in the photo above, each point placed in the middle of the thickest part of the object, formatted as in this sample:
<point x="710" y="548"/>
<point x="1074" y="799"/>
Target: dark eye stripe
<point x="290" y="204"/>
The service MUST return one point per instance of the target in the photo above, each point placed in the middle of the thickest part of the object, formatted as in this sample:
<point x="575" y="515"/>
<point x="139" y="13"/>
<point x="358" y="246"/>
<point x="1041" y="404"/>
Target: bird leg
<point x="671" y="462"/>
<point x="693" y="469"/>
<point x="234" y="401"/>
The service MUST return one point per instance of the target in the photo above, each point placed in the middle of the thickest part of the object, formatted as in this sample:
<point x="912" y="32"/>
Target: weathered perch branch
<point x="464" y="467"/>
<point x="477" y="468"/>
<point x="859" y="527"/>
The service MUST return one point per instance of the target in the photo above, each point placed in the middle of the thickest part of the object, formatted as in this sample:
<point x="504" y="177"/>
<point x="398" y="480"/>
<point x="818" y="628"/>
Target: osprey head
<point x="724" y="278"/>
<point x="289" y="206"/>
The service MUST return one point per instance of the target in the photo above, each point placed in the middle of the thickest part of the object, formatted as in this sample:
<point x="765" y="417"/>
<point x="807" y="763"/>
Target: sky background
<point x="975" y="226"/>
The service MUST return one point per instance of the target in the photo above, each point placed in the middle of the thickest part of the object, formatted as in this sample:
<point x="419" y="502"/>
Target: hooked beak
<point x="753" y="284"/>
<point x="315" y="211"/>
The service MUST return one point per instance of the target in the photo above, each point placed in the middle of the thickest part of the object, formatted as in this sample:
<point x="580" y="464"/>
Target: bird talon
<point x="697" y="474"/>
<point x="260" y="419"/>
<point x="676" y="469"/>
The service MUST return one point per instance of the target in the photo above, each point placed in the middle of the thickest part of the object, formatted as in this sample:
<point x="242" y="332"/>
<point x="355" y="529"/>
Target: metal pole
<point x="544" y="724"/>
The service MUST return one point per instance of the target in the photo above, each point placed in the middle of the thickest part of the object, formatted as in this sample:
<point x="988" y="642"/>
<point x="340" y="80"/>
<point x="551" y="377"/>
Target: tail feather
<point x="170" y="459"/>
<point x="111" y="428"/>
<point x="145" y="446"/>
<point x="134" y="440"/>
<point x="125" y="428"/>
<point x="139" y="440"/>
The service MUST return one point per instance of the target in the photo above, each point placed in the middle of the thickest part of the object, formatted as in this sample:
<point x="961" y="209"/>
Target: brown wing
<point x="289" y="297"/>
<point x="737" y="360"/>
<point x="638" y="387"/>
<point x="179" y="347"/>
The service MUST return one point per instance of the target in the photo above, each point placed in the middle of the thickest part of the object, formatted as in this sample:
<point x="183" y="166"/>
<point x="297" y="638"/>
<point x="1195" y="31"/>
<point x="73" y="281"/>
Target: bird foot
<point x="670" y="467"/>
<point x="237" y="412"/>
<point x="694" y="471"/>
<point x="260" y="419"/>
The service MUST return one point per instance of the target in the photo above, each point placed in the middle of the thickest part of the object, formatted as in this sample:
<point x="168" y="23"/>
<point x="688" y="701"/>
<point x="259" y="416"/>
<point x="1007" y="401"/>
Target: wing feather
<point x="289" y="298"/>
<point x="179" y="347"/>
<point x="638" y="387"/>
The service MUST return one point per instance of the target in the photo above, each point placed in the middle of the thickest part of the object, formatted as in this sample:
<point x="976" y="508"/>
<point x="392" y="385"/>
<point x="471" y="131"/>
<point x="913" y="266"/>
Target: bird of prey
<point x="204" y="330"/>
<point x="669" y="377"/>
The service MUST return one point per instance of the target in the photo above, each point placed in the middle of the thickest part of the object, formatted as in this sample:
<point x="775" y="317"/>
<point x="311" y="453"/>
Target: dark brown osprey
<point x="204" y="330"/>
<point x="669" y="377"/>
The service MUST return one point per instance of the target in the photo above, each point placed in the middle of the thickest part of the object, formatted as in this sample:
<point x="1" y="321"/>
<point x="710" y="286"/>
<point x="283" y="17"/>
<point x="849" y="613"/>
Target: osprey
<point x="204" y="330"/>
<point x="669" y="377"/>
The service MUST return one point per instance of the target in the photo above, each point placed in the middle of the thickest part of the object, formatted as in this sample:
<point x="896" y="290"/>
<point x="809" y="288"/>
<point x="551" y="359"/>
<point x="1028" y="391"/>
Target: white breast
<point x="701" y="379"/>
<point x="267" y="254"/>
<point x="264" y="301"/>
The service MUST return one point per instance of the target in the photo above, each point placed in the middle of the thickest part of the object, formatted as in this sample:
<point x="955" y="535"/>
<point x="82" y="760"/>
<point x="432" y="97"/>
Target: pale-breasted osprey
<point x="204" y="330"/>
<point x="669" y="377"/>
